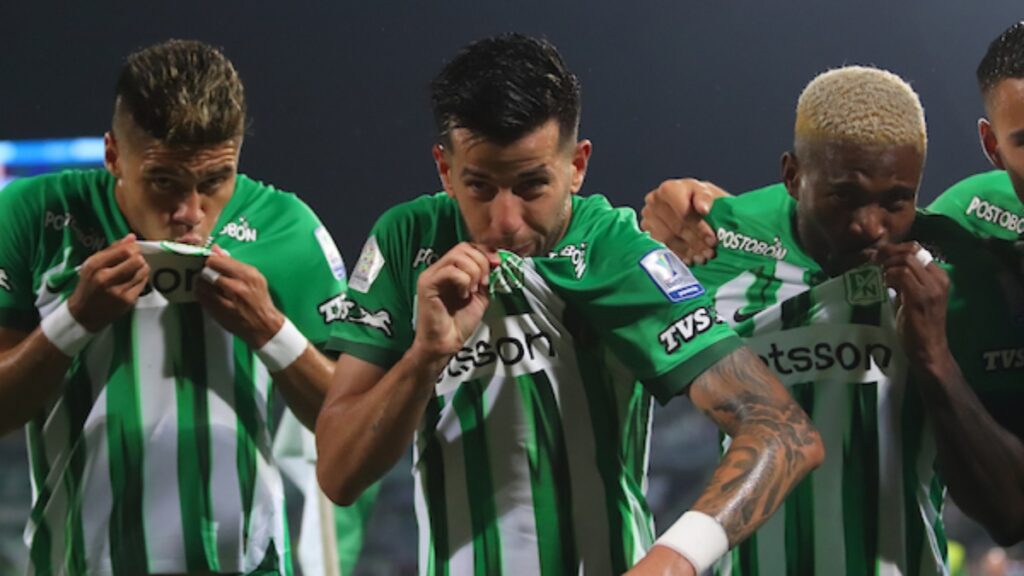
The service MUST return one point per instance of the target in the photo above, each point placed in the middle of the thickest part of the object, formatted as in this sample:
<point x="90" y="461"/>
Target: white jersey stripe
<point x="158" y="329"/>
<point x="225" y="490"/>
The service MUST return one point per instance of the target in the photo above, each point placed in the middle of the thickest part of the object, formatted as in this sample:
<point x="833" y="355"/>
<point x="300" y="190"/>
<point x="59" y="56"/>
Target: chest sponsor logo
<point x="671" y="276"/>
<point x="370" y="263"/>
<point x="241" y="230"/>
<point x="5" y="283"/>
<point x="341" y="309"/>
<point x="994" y="214"/>
<point x="331" y="253"/>
<point x="685" y="329"/>
<point x="424" y="257"/>
<point x="502" y="347"/>
<point x="864" y="286"/>
<point x="830" y="352"/>
<point x="92" y="240"/>
<point x="742" y="243"/>
<point x="577" y="254"/>
<point x="999" y="360"/>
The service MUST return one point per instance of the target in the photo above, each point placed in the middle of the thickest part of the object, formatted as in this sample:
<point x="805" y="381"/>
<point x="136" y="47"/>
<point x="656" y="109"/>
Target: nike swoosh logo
<point x="739" y="316"/>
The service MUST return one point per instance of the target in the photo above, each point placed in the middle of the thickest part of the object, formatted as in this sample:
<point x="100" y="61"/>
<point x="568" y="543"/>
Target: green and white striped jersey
<point x="874" y="506"/>
<point x="532" y="456"/>
<point x="985" y="204"/>
<point x="156" y="456"/>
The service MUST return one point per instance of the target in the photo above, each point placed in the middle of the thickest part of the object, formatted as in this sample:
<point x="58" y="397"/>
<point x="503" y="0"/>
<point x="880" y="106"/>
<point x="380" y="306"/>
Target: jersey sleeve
<point x="984" y="204"/>
<point x="645" y="304"/>
<point x="18" y="235"/>
<point x="373" y="322"/>
<point x="306" y="275"/>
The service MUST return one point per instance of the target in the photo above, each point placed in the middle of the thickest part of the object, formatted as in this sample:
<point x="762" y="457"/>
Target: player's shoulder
<point x="946" y="238"/>
<point x="426" y="220"/>
<point x="767" y="205"/>
<point x="992" y="184"/>
<point x="258" y="196"/>
<point x="66" y="185"/>
<point x="757" y="223"/>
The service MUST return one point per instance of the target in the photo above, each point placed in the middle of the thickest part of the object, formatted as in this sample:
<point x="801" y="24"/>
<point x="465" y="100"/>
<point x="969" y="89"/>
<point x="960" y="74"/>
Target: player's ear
<point x="111" y="155"/>
<point x="790" y="166"/>
<point x="989" y="144"/>
<point x="580" y="160"/>
<point x="444" y="169"/>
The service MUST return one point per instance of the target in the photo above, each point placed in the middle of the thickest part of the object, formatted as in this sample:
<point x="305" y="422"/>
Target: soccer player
<point x="502" y="327"/>
<point x="149" y="422"/>
<point x="986" y="324"/>
<point x="790" y="275"/>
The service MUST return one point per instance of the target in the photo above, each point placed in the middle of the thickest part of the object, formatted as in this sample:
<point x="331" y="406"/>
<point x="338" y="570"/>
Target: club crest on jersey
<point x="330" y="250"/>
<point x="241" y="230"/>
<point x="577" y="254"/>
<point x="864" y="286"/>
<point x="670" y="275"/>
<point x="5" y="283"/>
<point x="370" y="263"/>
<point x="341" y="309"/>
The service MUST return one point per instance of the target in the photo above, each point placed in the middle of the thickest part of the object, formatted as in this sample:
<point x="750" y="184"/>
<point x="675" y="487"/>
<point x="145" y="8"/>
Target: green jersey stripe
<point x="431" y="477"/>
<point x="194" y="443"/>
<point x="79" y="400"/>
<point x="800" y="508"/>
<point x="127" y="540"/>
<point x="549" y="475"/>
<point x="469" y="407"/>
<point x="250" y="427"/>
<point x="38" y="529"/>
<point x="605" y="424"/>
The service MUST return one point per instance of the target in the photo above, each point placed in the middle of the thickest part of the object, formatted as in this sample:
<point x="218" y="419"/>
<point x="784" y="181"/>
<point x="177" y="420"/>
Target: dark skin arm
<point x="774" y="445"/>
<point x="981" y="462"/>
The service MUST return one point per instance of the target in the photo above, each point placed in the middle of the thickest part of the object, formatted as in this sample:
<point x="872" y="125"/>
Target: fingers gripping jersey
<point x="156" y="457"/>
<point x="874" y="505"/>
<point x="532" y="457"/>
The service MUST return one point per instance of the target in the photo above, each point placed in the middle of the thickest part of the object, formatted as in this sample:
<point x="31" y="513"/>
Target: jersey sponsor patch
<point x="5" y="283"/>
<point x="341" y="309"/>
<point x="577" y="254"/>
<point x="685" y="329"/>
<point x="670" y="275"/>
<point x="370" y="263"/>
<point x="242" y="230"/>
<point x="330" y="250"/>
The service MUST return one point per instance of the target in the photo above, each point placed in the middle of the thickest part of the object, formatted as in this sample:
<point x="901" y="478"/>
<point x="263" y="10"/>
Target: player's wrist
<point x="698" y="538"/>
<point x="427" y="356"/>
<point x="65" y="332"/>
<point x="284" y="348"/>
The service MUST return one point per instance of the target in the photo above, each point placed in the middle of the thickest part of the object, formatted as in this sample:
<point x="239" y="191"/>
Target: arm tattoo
<point x="774" y="445"/>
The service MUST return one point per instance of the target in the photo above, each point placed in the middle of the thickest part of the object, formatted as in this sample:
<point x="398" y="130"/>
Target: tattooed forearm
<point x="774" y="445"/>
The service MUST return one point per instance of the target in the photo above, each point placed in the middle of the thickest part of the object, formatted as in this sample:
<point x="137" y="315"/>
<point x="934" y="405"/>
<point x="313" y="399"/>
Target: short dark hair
<point x="182" y="92"/>
<point x="502" y="88"/>
<point x="1004" y="59"/>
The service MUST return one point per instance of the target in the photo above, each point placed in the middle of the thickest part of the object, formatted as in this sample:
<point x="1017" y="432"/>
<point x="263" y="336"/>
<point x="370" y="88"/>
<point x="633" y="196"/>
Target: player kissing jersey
<point x="874" y="506"/>
<point x="532" y="456"/>
<point x="156" y="457"/>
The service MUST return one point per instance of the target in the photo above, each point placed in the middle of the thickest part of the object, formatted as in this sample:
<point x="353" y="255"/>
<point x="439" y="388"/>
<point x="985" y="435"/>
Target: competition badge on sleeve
<point x="670" y="275"/>
<point x="174" y="268"/>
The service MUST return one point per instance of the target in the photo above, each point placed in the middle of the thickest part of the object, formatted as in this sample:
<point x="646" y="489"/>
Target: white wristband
<point x="284" y="348"/>
<point x="64" y="332"/>
<point x="697" y="537"/>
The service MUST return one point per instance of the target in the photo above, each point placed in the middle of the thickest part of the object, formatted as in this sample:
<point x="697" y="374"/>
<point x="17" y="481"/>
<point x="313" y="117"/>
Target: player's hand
<point x="239" y="300"/>
<point x="923" y="292"/>
<point x="674" y="215"/>
<point x="662" y="561"/>
<point x="109" y="283"/>
<point x="451" y="296"/>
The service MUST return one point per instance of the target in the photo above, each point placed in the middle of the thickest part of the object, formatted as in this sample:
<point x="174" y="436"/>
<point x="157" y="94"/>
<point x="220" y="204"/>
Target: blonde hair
<point x="861" y="105"/>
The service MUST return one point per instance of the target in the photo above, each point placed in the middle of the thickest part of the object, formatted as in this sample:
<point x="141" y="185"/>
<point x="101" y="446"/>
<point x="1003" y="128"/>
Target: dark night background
<point x="339" y="107"/>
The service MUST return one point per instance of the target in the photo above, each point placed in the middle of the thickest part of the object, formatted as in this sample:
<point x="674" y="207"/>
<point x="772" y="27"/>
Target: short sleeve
<point x="17" y="235"/>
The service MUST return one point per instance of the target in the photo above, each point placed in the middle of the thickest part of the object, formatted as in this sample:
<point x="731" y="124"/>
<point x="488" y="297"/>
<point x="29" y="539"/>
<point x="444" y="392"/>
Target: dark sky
<point x="338" y="93"/>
